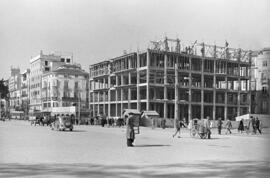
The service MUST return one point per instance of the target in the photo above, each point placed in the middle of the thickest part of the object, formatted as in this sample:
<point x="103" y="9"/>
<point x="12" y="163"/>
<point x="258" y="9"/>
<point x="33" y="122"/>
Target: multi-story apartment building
<point x="260" y="77"/>
<point x="14" y="87"/>
<point x="25" y="90"/>
<point x="65" y="86"/>
<point x="176" y="81"/>
<point x="40" y="65"/>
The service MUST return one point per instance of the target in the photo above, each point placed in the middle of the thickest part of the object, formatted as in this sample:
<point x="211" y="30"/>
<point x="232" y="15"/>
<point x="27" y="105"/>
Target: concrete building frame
<point x="214" y="83"/>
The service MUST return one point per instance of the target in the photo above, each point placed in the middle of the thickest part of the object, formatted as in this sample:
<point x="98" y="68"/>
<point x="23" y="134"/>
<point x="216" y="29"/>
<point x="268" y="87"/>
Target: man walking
<point x="258" y="124"/>
<point x="253" y="122"/>
<point x="228" y="126"/>
<point x="130" y="134"/>
<point x="177" y="127"/>
<point x="219" y="125"/>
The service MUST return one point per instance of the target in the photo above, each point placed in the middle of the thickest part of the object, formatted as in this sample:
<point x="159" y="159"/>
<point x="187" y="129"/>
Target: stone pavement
<point x="92" y="151"/>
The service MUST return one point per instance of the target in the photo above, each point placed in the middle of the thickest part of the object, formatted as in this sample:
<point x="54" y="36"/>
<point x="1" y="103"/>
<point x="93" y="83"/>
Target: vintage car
<point x="62" y="124"/>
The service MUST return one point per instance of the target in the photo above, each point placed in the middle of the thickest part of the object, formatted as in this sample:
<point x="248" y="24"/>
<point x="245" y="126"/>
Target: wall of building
<point x="160" y="80"/>
<point x="260" y="77"/>
<point x="62" y="90"/>
<point x="40" y="65"/>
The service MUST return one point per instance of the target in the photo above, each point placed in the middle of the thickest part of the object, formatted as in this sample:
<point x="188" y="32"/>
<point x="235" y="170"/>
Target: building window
<point x="68" y="60"/>
<point x="46" y="63"/>
<point x="264" y="63"/>
<point x="264" y="90"/>
<point x="66" y="90"/>
<point x="62" y="59"/>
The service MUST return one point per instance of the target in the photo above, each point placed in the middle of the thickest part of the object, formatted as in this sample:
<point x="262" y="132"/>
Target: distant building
<point x="14" y="87"/>
<point x="65" y="86"/>
<point x="40" y="65"/>
<point x="260" y="80"/>
<point x="25" y="91"/>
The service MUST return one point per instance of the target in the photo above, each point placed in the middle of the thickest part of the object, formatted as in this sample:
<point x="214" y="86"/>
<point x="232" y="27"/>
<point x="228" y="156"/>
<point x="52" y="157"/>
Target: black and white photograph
<point x="134" y="88"/>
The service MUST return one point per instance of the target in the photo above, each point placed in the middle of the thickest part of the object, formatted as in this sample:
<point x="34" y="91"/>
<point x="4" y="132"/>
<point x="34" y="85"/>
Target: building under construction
<point x="176" y="80"/>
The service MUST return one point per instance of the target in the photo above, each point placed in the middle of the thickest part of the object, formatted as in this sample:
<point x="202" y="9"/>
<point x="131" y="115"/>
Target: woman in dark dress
<point x="241" y="126"/>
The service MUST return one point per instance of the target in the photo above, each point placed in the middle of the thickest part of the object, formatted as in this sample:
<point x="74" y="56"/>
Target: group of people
<point x="228" y="126"/>
<point x="109" y="122"/>
<point x="253" y="125"/>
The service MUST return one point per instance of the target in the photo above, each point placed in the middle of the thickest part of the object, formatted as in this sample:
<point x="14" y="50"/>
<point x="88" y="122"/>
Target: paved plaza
<point x="93" y="151"/>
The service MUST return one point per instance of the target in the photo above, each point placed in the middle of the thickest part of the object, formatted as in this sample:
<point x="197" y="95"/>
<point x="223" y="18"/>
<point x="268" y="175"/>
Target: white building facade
<point x="64" y="87"/>
<point x="40" y="65"/>
<point x="14" y="87"/>
<point x="260" y="77"/>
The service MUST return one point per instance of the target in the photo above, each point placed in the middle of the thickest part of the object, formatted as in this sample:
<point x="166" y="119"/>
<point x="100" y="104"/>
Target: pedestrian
<point x="228" y="126"/>
<point x="241" y="126"/>
<point x="178" y="125"/>
<point x="163" y="123"/>
<point x="258" y="125"/>
<point x="153" y="122"/>
<point x="253" y="122"/>
<point x="248" y="125"/>
<point x="207" y="126"/>
<point x="219" y="125"/>
<point x="103" y="121"/>
<point x="130" y="134"/>
<point x="92" y="121"/>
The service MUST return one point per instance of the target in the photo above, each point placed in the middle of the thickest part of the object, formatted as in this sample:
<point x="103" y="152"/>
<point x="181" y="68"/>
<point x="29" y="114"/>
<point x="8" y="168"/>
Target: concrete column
<point x="214" y="83"/>
<point x="104" y="109"/>
<point x="109" y="96"/>
<point x="94" y="104"/>
<point x="116" y="95"/>
<point x="138" y="83"/>
<point x="176" y="111"/>
<point x="226" y="100"/>
<point x="94" y="84"/>
<point x="239" y="86"/>
<point x="104" y="82"/>
<point x="189" y="92"/>
<point x="165" y="85"/>
<point x="214" y="97"/>
<point x="98" y="111"/>
<point x="129" y="90"/>
<point x="122" y="92"/>
<point x="226" y="93"/>
<point x="202" y="89"/>
<point x="249" y="82"/>
<point x="147" y="80"/>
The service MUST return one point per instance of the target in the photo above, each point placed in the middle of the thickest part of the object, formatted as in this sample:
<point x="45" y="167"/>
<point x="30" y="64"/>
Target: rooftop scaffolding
<point x="201" y="49"/>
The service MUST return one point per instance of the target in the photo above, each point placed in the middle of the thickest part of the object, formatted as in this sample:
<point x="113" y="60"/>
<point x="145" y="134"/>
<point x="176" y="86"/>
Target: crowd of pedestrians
<point x="251" y="126"/>
<point x="106" y="121"/>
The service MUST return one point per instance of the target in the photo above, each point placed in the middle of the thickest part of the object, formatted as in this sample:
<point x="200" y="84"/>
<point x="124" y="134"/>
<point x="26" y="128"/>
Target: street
<point x="93" y="151"/>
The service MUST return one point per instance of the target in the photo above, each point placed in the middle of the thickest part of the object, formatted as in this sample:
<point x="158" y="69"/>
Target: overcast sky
<point x="95" y="30"/>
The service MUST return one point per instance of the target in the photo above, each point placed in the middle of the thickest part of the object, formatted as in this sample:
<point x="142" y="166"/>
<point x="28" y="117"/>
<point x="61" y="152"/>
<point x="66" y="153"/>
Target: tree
<point x="3" y="89"/>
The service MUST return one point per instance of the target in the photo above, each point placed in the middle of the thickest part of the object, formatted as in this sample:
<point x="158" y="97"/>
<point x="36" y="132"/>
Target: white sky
<point x="96" y="30"/>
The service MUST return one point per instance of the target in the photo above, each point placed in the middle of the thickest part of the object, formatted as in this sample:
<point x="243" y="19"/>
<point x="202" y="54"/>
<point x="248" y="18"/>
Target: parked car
<point x="62" y="124"/>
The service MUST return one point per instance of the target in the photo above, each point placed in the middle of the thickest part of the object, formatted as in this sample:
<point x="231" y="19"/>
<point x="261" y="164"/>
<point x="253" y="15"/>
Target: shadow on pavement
<point x="150" y="145"/>
<point x="79" y="131"/>
<point x="202" y="169"/>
